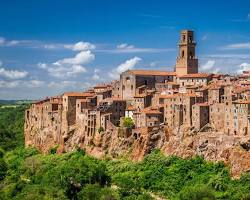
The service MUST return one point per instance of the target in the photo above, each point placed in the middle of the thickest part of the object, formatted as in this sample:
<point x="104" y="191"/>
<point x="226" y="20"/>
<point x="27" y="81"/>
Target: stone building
<point x="183" y="100"/>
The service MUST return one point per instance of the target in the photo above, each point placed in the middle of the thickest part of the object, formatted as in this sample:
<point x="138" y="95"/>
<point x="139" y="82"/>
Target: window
<point x="183" y="38"/>
<point x="190" y="54"/>
<point x="190" y="38"/>
<point x="132" y="87"/>
<point x="182" y="54"/>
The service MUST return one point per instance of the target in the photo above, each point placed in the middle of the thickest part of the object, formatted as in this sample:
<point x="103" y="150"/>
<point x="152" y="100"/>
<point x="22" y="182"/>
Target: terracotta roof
<point x="151" y="110"/>
<point x="241" y="89"/>
<point x="78" y="94"/>
<point x="152" y="73"/>
<point x="242" y="102"/>
<point x="197" y="75"/>
<point x="102" y="86"/>
<point x="171" y="96"/>
<point x="130" y="107"/>
<point x="172" y="83"/>
<point x="140" y="95"/>
<point x="202" y="104"/>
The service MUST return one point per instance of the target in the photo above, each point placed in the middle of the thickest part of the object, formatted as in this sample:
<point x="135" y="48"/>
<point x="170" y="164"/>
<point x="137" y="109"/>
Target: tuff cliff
<point x="135" y="144"/>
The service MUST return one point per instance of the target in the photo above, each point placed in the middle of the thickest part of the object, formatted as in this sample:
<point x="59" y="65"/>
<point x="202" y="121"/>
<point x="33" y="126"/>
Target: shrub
<point x="128" y="122"/>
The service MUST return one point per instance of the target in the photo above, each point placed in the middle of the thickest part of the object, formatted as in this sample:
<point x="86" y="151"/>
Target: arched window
<point x="182" y="54"/>
<point x="190" y="38"/>
<point x="183" y="38"/>
<point x="190" y="54"/>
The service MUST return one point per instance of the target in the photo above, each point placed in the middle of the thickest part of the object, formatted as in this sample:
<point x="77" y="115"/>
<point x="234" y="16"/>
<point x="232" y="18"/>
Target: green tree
<point x="128" y="122"/>
<point x="199" y="192"/>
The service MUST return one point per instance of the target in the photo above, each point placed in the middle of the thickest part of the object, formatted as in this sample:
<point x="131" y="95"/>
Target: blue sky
<point x="47" y="47"/>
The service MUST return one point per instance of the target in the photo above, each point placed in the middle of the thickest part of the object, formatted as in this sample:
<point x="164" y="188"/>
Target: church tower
<point x="186" y="62"/>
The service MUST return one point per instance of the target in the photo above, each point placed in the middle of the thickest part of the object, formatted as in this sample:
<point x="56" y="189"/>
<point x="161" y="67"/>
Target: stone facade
<point x="195" y="112"/>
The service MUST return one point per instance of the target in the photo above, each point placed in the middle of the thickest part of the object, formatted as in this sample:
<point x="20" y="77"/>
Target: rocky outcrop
<point x="135" y="144"/>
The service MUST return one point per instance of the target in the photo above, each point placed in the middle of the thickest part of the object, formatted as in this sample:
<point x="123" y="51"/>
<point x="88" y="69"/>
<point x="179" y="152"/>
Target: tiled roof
<point x="151" y="110"/>
<point x="131" y="108"/>
<point x="202" y="104"/>
<point x="197" y="75"/>
<point x="242" y="102"/>
<point x="152" y="73"/>
<point x="78" y="94"/>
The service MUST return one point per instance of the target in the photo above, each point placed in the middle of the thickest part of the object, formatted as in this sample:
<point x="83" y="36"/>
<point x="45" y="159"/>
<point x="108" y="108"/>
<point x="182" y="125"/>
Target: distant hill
<point x="15" y="101"/>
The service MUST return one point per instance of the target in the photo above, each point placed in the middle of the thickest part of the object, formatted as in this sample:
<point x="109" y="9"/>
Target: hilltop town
<point x="182" y="112"/>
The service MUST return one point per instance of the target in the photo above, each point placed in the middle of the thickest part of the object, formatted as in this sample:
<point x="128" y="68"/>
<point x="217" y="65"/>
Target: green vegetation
<point x="101" y="129"/>
<point x="128" y="122"/>
<point x="11" y="127"/>
<point x="27" y="174"/>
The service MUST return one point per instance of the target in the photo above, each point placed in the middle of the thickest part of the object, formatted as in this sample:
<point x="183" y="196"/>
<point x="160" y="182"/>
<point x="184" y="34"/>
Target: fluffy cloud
<point x="80" y="46"/>
<point x="68" y="67"/>
<point x="12" y="74"/>
<point x="243" y="67"/>
<point x="125" y="46"/>
<point x="21" y="84"/>
<point x="83" y="57"/>
<point x="129" y="64"/>
<point x="208" y="65"/>
<point x="96" y="75"/>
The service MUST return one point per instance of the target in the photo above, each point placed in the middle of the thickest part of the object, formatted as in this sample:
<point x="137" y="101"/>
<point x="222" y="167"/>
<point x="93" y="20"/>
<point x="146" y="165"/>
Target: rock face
<point x="135" y="144"/>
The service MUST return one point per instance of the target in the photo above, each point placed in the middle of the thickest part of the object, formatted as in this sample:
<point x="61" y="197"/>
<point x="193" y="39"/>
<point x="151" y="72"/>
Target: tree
<point x="128" y="122"/>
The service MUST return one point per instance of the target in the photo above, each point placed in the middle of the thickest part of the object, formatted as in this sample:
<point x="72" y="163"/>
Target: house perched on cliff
<point x="182" y="102"/>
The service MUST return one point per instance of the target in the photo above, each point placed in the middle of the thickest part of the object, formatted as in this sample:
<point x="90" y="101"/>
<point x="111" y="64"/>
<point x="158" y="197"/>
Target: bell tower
<point x="186" y="62"/>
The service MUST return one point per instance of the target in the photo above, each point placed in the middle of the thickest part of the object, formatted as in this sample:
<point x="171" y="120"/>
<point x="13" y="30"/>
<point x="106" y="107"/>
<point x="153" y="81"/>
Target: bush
<point x="128" y="122"/>
<point x="101" y="129"/>
<point x="3" y="169"/>
<point x="199" y="192"/>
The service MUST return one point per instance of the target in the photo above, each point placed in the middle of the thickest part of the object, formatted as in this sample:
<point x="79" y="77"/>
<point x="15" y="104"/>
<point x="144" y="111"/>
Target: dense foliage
<point x="27" y="174"/>
<point x="128" y="122"/>
<point x="11" y="126"/>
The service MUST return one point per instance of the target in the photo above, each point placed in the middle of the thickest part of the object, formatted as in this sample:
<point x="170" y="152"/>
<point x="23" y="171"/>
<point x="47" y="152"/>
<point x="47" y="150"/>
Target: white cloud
<point x="21" y="84"/>
<point x="68" y="67"/>
<point x="80" y="46"/>
<point x="243" y="67"/>
<point x="96" y="75"/>
<point x="12" y="74"/>
<point x="153" y="64"/>
<point x="245" y="45"/>
<point x="208" y="65"/>
<point x="8" y="84"/>
<point x="125" y="46"/>
<point x="61" y="71"/>
<point x="83" y="57"/>
<point x="42" y="65"/>
<point x="61" y="84"/>
<point x="13" y="42"/>
<point x="128" y="64"/>
<point x="248" y="16"/>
